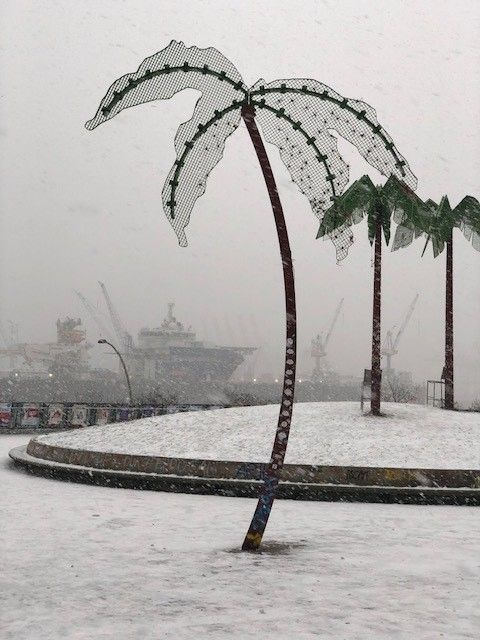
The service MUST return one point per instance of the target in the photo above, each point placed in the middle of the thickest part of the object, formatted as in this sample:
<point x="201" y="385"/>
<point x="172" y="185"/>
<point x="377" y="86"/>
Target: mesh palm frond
<point x="436" y="225"/>
<point x="310" y="155"/>
<point x="354" y="120"/>
<point x="292" y="112"/>
<point x="411" y="214"/>
<point x="347" y="210"/>
<point x="363" y="198"/>
<point x="467" y="213"/>
<point x="200" y="142"/>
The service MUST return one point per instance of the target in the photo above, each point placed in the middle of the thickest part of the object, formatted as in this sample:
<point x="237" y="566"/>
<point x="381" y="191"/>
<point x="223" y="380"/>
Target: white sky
<point x="78" y="206"/>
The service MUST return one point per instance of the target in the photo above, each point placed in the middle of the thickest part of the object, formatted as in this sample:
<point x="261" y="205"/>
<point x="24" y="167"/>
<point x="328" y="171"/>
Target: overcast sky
<point x="79" y="206"/>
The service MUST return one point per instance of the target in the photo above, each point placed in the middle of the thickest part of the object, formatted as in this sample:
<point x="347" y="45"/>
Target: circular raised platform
<point x="203" y="452"/>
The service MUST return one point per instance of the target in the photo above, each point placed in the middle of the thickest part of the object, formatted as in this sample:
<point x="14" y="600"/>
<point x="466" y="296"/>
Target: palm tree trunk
<point x="259" y="521"/>
<point x="376" y="384"/>
<point x="448" y="371"/>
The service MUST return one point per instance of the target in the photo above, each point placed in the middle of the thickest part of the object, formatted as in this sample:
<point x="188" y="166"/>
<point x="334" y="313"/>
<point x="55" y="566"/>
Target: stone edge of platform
<point x="247" y="488"/>
<point x="241" y="470"/>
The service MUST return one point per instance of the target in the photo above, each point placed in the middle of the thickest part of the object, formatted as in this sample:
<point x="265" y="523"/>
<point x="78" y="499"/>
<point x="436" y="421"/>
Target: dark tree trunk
<point x="259" y="521"/>
<point x="448" y="371"/>
<point x="376" y="384"/>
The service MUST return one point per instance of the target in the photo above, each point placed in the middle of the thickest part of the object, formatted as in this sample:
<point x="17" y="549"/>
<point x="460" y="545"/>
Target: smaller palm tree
<point x="378" y="204"/>
<point x="438" y="228"/>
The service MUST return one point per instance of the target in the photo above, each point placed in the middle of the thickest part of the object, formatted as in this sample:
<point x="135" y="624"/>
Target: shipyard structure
<point x="166" y="364"/>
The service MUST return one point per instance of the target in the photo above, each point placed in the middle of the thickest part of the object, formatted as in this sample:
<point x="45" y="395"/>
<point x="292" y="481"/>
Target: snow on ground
<point x="333" y="433"/>
<point x="81" y="562"/>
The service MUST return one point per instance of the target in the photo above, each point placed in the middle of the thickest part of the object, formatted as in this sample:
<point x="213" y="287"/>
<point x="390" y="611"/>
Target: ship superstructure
<point x="171" y="353"/>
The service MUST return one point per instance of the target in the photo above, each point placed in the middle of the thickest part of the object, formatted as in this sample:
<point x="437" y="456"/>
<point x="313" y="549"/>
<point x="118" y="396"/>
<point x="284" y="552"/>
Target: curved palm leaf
<point x="295" y="111"/>
<point x="468" y="216"/>
<point x="354" y="120"/>
<point x="362" y="199"/>
<point x="437" y="223"/>
<point x="347" y="210"/>
<point x="311" y="156"/>
<point x="200" y="142"/>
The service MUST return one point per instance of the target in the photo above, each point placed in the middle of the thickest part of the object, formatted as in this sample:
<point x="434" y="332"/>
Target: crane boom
<point x="123" y="336"/>
<point x="94" y="315"/>
<point x="333" y="323"/>
<point x="405" y="323"/>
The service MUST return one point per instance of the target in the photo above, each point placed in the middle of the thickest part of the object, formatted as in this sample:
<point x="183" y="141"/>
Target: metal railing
<point x="436" y="393"/>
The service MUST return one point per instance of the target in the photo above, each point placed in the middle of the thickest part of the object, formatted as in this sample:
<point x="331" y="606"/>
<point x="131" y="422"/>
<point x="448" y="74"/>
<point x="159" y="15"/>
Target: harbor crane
<point x="94" y="314"/>
<point x="390" y="346"/>
<point x="320" y="344"/>
<point x="124" y="338"/>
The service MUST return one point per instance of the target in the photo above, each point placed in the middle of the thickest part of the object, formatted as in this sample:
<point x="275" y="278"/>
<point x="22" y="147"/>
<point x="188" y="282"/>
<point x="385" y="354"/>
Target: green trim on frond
<point x="166" y="70"/>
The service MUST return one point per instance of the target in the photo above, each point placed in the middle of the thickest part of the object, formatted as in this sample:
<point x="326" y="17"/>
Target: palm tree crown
<point x="296" y="115"/>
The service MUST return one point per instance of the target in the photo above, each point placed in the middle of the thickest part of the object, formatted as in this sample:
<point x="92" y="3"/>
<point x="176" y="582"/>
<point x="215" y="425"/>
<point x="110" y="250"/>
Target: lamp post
<point x="130" y="396"/>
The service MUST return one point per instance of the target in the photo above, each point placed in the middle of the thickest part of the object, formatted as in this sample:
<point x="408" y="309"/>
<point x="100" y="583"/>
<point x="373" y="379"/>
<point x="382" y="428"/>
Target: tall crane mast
<point x="123" y="336"/>
<point x="319" y="345"/>
<point x="390" y="346"/>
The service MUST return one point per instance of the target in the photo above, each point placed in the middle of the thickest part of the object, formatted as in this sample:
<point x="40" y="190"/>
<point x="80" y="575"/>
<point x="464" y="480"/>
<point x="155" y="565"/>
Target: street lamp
<point x="130" y="396"/>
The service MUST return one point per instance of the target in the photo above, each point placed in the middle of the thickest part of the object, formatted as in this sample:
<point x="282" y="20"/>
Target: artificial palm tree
<point x="378" y="204"/>
<point x="295" y="115"/>
<point x="438" y="228"/>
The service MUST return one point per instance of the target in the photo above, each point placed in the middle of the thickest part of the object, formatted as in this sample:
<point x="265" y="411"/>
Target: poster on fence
<point x="123" y="414"/>
<point x="55" y="415"/>
<point x="79" y="417"/>
<point x="103" y="415"/>
<point x="30" y="415"/>
<point x="5" y="414"/>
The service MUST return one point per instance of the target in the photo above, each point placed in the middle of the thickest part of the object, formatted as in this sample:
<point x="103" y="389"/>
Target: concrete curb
<point x="243" y="487"/>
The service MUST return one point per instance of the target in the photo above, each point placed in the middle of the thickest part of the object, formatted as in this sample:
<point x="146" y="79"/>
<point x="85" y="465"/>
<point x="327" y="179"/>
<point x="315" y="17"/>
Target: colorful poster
<point x="123" y="414"/>
<point x="103" y="415"/>
<point x="30" y="415"/>
<point x="56" y="414"/>
<point x="5" y="414"/>
<point x="79" y="415"/>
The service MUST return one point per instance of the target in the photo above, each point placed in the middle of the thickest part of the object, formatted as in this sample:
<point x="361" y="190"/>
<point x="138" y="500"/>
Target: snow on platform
<point x="330" y="433"/>
<point x="82" y="562"/>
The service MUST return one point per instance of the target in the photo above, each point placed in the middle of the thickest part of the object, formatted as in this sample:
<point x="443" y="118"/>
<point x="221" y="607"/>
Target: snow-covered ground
<point x="81" y="562"/>
<point x="333" y="433"/>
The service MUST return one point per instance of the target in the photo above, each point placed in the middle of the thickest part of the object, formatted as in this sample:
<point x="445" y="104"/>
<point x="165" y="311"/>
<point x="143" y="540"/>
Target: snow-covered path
<point x="88" y="562"/>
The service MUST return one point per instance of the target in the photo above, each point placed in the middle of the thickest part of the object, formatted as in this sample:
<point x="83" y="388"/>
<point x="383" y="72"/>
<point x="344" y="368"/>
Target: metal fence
<point x="32" y="416"/>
